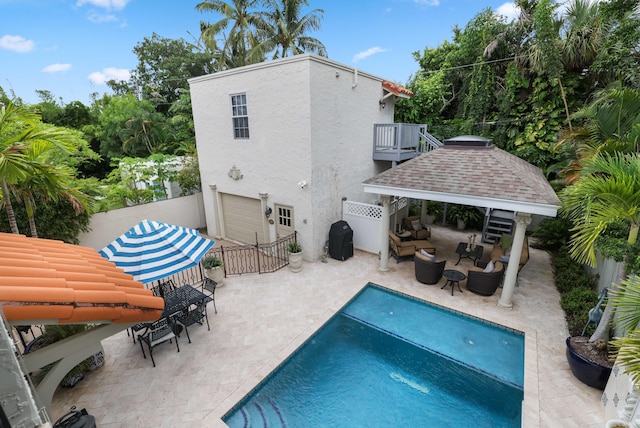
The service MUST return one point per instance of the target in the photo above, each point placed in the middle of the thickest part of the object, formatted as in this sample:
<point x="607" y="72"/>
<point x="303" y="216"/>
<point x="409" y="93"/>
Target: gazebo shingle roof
<point x="484" y="172"/>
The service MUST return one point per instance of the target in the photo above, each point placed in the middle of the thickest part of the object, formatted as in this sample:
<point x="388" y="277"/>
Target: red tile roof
<point x="396" y="89"/>
<point x="43" y="279"/>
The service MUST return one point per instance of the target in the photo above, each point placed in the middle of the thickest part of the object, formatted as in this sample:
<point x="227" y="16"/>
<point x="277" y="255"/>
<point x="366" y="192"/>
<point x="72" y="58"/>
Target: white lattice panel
<point x="364" y="220"/>
<point x="362" y="210"/>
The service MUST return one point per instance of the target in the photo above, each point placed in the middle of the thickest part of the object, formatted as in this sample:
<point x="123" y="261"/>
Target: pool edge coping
<point x="530" y="404"/>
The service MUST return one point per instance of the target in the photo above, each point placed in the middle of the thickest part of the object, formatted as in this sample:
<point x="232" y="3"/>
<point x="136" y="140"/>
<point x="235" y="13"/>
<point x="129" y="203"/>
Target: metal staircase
<point x="496" y="224"/>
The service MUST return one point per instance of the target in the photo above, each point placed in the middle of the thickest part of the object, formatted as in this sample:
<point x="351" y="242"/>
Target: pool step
<point x="263" y="415"/>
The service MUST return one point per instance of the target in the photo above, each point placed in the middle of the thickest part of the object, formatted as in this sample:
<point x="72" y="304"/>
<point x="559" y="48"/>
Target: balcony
<point x="398" y="142"/>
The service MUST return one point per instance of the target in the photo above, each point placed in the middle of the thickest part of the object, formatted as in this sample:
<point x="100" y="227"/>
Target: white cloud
<point x="54" y="68"/>
<point x="105" y="4"/>
<point x="509" y="11"/>
<point x="428" y="2"/>
<point x="109" y="73"/>
<point x="368" y="53"/>
<point x="100" y="18"/>
<point x="16" y="43"/>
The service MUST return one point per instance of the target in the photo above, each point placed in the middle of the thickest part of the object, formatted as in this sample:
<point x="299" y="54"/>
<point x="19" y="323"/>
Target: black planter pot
<point x="586" y="371"/>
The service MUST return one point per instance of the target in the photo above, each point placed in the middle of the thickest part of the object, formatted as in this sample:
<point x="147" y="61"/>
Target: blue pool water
<point x="389" y="360"/>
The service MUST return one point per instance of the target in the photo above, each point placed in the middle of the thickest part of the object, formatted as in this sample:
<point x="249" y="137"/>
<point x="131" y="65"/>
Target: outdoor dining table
<point x="175" y="301"/>
<point x="182" y="298"/>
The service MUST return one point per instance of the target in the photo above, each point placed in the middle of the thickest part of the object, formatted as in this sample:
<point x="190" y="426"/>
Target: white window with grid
<point x="240" y="116"/>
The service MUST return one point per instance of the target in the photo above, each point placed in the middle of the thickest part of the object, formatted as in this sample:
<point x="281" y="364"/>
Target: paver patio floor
<point x="263" y="318"/>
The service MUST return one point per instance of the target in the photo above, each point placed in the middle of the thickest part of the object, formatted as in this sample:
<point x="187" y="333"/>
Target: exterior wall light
<point x="267" y="212"/>
<point x="382" y="104"/>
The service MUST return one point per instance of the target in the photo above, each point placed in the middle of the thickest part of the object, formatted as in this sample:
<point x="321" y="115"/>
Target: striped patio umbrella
<point x="153" y="250"/>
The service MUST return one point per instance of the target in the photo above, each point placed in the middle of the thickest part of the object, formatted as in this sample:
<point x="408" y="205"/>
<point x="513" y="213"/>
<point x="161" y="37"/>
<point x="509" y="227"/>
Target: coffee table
<point x="453" y="278"/>
<point x="474" y="254"/>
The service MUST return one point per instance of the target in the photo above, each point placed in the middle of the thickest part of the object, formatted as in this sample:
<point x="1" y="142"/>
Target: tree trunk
<point x="7" y="203"/>
<point x="602" y="331"/>
<point x="32" y="225"/>
<point x="566" y="106"/>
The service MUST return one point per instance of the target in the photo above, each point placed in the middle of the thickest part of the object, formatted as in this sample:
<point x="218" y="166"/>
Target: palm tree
<point x="49" y="182"/>
<point x="285" y="30"/>
<point x="626" y="301"/>
<point x="21" y="136"/>
<point x="610" y="124"/>
<point x="607" y="191"/>
<point x="240" y="39"/>
<point x="583" y="35"/>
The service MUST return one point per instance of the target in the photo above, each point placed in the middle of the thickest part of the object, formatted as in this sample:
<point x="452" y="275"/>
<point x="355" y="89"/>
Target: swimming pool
<point x="387" y="359"/>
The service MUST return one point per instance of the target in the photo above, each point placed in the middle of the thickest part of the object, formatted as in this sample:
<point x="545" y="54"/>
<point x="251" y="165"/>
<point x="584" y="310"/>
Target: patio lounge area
<point x="263" y="318"/>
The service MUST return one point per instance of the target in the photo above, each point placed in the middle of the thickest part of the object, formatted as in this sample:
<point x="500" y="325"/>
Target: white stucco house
<point x="281" y="143"/>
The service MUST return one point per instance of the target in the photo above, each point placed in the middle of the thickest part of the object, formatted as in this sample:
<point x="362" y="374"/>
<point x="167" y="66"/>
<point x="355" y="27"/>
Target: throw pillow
<point x="416" y="225"/>
<point x="431" y="256"/>
<point x="489" y="267"/>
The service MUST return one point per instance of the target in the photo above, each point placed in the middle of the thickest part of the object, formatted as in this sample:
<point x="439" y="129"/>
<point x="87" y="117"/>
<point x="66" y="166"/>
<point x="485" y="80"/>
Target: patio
<point x="263" y="318"/>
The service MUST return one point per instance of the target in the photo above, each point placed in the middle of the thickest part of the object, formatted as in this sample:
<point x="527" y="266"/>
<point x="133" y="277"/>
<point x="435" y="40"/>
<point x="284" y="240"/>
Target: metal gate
<point x="258" y="258"/>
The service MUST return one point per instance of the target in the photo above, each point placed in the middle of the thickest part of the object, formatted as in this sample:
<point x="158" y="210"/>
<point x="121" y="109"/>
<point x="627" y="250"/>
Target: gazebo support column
<point x="522" y="220"/>
<point x="423" y="212"/>
<point x="384" y="235"/>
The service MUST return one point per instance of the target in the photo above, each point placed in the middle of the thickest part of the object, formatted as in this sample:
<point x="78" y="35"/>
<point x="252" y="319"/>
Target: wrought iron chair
<point x="196" y="314"/>
<point x="210" y="286"/>
<point x="163" y="287"/>
<point x="158" y="332"/>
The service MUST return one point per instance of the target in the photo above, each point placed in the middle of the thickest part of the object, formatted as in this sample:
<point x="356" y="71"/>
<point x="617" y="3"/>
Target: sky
<point x="72" y="47"/>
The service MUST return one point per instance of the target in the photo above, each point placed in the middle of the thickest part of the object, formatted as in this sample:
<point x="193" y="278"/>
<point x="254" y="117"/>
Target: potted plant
<point x="213" y="269"/>
<point x="295" y="256"/>
<point x="434" y="211"/>
<point x="463" y="214"/>
<point x="54" y="333"/>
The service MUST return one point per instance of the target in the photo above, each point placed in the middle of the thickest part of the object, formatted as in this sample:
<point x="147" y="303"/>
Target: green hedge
<point x="577" y="290"/>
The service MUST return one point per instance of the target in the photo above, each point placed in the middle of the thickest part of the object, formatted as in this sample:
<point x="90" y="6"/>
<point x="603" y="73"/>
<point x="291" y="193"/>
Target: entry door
<point x="284" y="220"/>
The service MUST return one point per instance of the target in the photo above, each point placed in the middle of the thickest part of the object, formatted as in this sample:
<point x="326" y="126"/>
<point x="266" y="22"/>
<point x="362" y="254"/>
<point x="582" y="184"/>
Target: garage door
<point x="242" y="218"/>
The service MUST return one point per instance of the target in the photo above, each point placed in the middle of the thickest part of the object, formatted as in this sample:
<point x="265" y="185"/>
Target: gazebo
<point x="469" y="170"/>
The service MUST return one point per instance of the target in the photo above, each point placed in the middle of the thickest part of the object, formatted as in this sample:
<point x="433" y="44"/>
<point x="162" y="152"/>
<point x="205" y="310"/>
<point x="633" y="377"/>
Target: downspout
<point x="355" y="78"/>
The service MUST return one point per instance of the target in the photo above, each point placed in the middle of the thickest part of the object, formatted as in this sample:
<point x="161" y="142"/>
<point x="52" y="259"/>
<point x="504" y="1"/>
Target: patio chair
<point x="402" y="250"/>
<point x="196" y="314"/>
<point x="428" y="271"/>
<point x="417" y="229"/>
<point x="485" y="283"/>
<point x="159" y="332"/>
<point x="210" y="286"/>
<point x="163" y="287"/>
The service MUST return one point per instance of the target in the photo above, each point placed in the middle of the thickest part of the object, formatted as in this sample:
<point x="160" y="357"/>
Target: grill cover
<point x="340" y="240"/>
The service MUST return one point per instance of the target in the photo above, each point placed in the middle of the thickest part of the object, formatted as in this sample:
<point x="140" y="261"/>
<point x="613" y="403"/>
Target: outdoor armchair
<point x="428" y="271"/>
<point x="196" y="314"/>
<point x="485" y="283"/>
<point x="209" y="285"/>
<point x="160" y="289"/>
<point x="159" y="332"/>
<point x="417" y="229"/>
<point x="405" y="249"/>
<point x="502" y="250"/>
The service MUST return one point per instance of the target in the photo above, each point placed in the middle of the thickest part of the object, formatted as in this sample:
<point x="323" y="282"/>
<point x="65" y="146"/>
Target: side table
<point x="453" y="278"/>
<point x="474" y="254"/>
<point x="405" y="235"/>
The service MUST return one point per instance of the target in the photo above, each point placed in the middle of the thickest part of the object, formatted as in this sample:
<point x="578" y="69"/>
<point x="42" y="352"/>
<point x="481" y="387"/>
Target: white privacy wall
<point x="186" y="211"/>
<point x="310" y="119"/>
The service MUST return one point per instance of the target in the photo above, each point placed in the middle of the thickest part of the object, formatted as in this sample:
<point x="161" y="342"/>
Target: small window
<point x="240" y="116"/>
